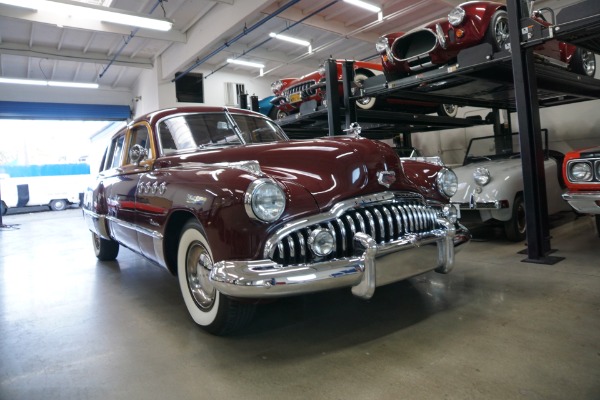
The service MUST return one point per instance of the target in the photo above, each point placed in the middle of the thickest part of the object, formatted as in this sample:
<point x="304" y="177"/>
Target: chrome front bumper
<point x="584" y="202"/>
<point x="373" y="265"/>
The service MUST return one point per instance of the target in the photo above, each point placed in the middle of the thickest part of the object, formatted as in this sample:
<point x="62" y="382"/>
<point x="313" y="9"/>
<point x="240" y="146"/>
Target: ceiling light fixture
<point x="34" y="82"/>
<point x="365" y="5"/>
<point x="246" y="63"/>
<point x="289" y="39"/>
<point x="80" y="10"/>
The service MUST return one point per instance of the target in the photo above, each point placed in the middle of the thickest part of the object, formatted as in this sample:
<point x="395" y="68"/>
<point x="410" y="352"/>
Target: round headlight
<point x="381" y="45"/>
<point x="580" y="171"/>
<point x="481" y="175"/>
<point x="447" y="182"/>
<point x="264" y="200"/>
<point x="456" y="16"/>
<point x="321" y="242"/>
<point x="276" y="86"/>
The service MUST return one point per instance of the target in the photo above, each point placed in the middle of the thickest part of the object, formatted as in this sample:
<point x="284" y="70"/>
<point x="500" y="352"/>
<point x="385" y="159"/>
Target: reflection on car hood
<point x="330" y="169"/>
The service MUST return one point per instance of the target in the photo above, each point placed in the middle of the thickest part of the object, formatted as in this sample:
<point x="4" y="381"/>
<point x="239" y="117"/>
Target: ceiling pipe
<point x="126" y="42"/>
<point x="235" y="39"/>
<point x="269" y="38"/>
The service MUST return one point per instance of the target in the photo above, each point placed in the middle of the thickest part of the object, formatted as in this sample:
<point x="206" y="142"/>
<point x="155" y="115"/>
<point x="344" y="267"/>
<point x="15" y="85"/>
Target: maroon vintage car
<point x="581" y="173"/>
<point x="226" y="202"/>
<point x="439" y="42"/>
<point x="291" y="93"/>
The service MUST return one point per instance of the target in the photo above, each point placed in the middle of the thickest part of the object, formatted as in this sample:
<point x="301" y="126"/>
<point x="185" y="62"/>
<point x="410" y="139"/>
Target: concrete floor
<point x="495" y="328"/>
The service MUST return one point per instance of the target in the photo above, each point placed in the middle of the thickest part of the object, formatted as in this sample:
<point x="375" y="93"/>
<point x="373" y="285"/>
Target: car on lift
<point x="238" y="212"/>
<point x="581" y="172"/>
<point x="437" y="44"/>
<point x="490" y="183"/>
<point x="291" y="93"/>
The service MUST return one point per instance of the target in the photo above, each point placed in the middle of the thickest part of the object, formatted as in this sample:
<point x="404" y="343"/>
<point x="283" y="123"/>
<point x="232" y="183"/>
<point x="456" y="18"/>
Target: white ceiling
<point x="33" y="46"/>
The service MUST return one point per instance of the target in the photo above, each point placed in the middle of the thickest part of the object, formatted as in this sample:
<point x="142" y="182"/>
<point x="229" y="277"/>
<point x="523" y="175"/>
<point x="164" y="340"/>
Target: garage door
<point x="63" y="111"/>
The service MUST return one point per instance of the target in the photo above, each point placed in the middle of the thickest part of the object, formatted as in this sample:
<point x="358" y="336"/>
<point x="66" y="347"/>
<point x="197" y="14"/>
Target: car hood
<point x="331" y="169"/>
<point x="502" y="172"/>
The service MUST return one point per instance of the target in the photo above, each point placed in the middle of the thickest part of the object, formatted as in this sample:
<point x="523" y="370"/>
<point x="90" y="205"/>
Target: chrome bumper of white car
<point x="373" y="265"/>
<point x="584" y="202"/>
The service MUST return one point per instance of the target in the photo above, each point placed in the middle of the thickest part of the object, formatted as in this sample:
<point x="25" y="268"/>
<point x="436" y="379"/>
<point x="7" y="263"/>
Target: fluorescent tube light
<point x="98" y="13"/>
<point x="289" y="39"/>
<point x="49" y="83"/>
<point x="364" y="4"/>
<point x="246" y="63"/>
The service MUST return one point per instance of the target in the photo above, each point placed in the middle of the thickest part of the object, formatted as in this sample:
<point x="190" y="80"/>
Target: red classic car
<point x="581" y="172"/>
<point x="290" y="93"/>
<point x="469" y="24"/>
<point x="226" y="202"/>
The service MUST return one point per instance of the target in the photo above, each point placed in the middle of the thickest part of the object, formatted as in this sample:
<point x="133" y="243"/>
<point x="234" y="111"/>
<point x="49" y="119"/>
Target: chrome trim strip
<point x="148" y="232"/>
<point x="491" y="205"/>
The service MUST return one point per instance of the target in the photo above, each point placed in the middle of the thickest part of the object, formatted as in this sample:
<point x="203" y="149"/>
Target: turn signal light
<point x="460" y="33"/>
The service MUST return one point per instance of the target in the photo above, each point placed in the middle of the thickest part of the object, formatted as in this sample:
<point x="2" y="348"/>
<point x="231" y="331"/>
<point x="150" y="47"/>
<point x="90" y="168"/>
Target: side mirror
<point x="137" y="154"/>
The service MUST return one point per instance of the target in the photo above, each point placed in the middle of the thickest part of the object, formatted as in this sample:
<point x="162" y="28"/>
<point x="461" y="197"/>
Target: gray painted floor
<point x="495" y="328"/>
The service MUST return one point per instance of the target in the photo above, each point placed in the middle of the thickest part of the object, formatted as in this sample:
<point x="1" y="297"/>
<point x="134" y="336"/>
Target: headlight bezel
<point x="254" y="204"/>
<point x="589" y="173"/>
<point x="447" y="182"/>
<point x="482" y="176"/>
<point x="456" y="16"/>
<point x="276" y="86"/>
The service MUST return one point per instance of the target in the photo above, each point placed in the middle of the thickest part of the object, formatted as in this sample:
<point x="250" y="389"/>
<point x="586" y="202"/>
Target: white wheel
<point x="208" y="308"/>
<point x="365" y="103"/>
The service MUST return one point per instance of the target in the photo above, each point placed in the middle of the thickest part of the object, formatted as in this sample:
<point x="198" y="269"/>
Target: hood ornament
<point x="354" y="129"/>
<point x="386" y="178"/>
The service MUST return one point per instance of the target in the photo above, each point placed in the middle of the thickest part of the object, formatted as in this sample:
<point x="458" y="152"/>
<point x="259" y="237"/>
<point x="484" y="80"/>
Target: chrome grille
<point x="384" y="222"/>
<point x="302" y="87"/>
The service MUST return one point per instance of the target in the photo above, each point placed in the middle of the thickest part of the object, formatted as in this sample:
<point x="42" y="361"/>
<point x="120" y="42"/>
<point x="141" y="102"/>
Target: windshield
<point x="258" y="130"/>
<point x="201" y="130"/>
<point x="497" y="147"/>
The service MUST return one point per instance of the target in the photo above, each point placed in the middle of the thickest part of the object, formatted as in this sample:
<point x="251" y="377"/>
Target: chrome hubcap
<point x="501" y="30"/>
<point x="198" y="266"/>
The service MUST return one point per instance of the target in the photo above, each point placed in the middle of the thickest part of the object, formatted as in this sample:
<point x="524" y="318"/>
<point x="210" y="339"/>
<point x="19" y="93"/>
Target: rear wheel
<point x="516" y="227"/>
<point x="365" y="103"/>
<point x="216" y="313"/>
<point x="58" y="204"/>
<point x="497" y="32"/>
<point x="106" y="250"/>
<point x="584" y="62"/>
<point x="447" y="110"/>
<point x="3" y="208"/>
<point x="281" y="114"/>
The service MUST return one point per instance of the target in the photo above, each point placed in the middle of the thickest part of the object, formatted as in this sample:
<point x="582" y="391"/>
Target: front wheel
<point x="516" y="227"/>
<point x="214" y="312"/>
<point x="583" y="62"/>
<point x="105" y="250"/>
<point x="497" y="33"/>
<point x="281" y="114"/>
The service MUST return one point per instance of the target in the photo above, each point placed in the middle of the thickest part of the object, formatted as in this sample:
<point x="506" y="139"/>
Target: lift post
<point x="333" y="98"/>
<point x="532" y="156"/>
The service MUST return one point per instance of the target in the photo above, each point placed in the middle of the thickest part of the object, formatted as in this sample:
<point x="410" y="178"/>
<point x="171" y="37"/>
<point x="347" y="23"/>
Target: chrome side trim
<point x="148" y="232"/>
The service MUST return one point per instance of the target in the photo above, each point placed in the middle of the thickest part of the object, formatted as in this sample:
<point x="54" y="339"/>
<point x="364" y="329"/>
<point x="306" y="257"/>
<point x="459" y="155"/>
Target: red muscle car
<point x="581" y="173"/>
<point x="238" y="212"/>
<point x="290" y="93"/>
<point x="439" y="42"/>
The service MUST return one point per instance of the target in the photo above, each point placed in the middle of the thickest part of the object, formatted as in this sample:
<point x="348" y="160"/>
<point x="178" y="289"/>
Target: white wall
<point x="156" y="95"/>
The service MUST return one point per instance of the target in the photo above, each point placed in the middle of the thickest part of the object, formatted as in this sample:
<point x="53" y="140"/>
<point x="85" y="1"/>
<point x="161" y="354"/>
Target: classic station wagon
<point x="223" y="200"/>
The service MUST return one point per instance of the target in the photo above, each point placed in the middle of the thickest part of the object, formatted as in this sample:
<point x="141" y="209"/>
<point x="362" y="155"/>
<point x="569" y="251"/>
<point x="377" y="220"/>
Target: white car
<point x="490" y="183"/>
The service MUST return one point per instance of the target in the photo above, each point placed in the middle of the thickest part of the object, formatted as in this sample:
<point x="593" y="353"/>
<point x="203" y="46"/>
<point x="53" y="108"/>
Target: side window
<point x="116" y="156"/>
<point x="139" y="135"/>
